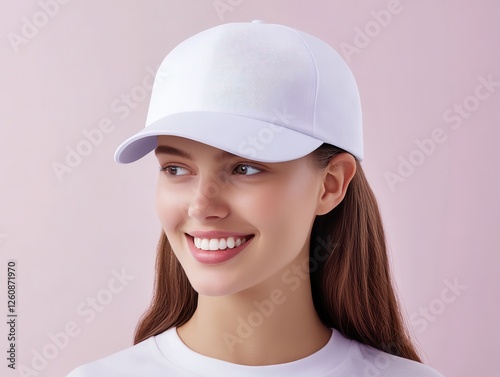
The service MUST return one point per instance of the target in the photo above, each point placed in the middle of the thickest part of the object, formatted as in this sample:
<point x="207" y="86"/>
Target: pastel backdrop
<point x="75" y="81"/>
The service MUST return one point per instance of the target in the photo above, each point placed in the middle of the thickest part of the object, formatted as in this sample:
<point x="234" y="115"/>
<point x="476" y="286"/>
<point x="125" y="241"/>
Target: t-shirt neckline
<point x="319" y="363"/>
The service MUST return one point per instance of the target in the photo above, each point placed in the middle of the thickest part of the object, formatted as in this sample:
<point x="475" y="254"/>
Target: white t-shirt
<point x="166" y="355"/>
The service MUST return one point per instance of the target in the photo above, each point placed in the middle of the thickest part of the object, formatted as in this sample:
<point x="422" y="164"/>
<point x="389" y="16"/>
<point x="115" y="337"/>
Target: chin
<point x="214" y="290"/>
<point x="215" y="284"/>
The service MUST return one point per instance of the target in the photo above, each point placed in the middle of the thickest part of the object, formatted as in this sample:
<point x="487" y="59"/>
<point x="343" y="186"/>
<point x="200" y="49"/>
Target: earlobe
<point x="336" y="178"/>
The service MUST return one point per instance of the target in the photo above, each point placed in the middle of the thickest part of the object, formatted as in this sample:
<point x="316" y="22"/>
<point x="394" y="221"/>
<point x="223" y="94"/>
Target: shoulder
<point x="373" y="362"/>
<point x="142" y="359"/>
<point x="117" y="364"/>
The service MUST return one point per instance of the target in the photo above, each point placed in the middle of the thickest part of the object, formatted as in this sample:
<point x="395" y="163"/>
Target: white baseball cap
<point x="265" y="92"/>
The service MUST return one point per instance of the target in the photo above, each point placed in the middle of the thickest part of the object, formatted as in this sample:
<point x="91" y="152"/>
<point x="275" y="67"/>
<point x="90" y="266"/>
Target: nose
<point x="208" y="202"/>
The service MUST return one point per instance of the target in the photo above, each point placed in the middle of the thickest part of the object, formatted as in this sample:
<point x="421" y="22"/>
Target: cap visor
<point x="246" y="137"/>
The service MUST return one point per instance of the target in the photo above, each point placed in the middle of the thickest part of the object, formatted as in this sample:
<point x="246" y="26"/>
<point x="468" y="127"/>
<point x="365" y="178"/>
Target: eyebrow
<point x="166" y="149"/>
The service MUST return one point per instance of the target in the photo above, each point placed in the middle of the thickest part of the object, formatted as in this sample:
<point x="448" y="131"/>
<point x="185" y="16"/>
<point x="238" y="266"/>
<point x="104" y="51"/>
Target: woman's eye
<point x="246" y="170"/>
<point x="174" y="170"/>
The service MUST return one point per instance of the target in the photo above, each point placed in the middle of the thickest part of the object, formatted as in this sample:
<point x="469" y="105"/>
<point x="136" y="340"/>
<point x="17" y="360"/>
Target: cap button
<point x="257" y="22"/>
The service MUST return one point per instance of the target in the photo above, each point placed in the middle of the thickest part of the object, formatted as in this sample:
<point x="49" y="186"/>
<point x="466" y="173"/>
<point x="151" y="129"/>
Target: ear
<point x="336" y="178"/>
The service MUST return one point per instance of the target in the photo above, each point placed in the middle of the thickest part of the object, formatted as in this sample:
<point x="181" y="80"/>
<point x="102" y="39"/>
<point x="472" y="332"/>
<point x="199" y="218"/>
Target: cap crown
<point x="267" y="72"/>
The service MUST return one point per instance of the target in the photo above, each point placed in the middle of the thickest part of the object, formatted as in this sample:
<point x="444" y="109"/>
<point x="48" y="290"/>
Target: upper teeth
<point x="218" y="243"/>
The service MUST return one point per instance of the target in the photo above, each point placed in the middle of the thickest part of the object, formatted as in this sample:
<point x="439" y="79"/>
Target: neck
<point x="271" y="324"/>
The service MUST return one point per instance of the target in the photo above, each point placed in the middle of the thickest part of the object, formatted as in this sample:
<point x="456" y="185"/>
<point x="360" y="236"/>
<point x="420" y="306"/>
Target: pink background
<point x="69" y="234"/>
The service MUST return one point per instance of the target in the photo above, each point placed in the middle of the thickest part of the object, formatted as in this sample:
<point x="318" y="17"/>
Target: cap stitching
<point x="317" y="76"/>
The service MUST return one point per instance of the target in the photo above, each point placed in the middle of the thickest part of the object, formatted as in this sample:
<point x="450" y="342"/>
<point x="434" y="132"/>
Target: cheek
<point x="169" y="207"/>
<point x="284" y="210"/>
<point x="292" y="197"/>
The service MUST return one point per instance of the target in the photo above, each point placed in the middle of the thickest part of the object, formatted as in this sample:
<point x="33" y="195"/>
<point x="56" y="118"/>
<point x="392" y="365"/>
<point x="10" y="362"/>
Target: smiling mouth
<point x="216" y="244"/>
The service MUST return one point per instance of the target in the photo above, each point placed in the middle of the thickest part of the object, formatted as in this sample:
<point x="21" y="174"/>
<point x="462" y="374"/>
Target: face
<point x="234" y="224"/>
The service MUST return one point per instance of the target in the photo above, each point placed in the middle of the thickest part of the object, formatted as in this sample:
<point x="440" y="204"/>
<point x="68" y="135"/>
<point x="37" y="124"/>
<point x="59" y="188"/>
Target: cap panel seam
<point x="317" y="77"/>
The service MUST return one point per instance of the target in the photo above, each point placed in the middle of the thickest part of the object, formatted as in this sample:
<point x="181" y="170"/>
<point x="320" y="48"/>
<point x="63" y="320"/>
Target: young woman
<point x="272" y="259"/>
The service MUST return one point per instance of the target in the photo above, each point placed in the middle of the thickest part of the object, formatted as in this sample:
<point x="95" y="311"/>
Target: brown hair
<point x="351" y="286"/>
